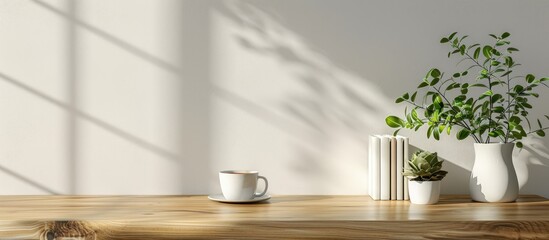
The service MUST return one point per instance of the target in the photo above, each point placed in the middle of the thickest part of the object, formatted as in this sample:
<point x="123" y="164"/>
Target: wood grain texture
<point x="295" y="217"/>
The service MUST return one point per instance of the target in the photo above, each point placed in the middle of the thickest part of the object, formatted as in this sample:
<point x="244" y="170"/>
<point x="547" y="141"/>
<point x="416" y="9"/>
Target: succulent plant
<point x="424" y="166"/>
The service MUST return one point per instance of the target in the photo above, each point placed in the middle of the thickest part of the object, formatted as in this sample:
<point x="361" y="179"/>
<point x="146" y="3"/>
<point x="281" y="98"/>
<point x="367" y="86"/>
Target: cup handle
<point x="266" y="186"/>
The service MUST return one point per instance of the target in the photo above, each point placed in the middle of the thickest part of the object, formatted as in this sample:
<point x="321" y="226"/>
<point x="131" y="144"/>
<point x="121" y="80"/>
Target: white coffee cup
<point x="240" y="185"/>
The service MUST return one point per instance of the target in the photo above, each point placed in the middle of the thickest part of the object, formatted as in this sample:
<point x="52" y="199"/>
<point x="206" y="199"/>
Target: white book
<point x="394" y="171"/>
<point x="370" y="169"/>
<point x="385" y="168"/>
<point x="400" y="168"/>
<point x="375" y="167"/>
<point x="405" y="160"/>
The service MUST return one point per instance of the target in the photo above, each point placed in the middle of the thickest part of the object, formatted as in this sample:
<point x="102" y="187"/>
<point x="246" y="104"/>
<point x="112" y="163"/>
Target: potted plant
<point x="492" y="107"/>
<point x="424" y="174"/>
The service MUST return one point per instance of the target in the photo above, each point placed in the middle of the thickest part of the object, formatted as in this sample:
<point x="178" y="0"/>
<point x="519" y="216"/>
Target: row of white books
<point x="388" y="156"/>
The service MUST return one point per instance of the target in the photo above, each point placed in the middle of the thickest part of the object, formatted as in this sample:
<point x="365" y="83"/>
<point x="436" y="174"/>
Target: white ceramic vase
<point x="493" y="178"/>
<point x="424" y="192"/>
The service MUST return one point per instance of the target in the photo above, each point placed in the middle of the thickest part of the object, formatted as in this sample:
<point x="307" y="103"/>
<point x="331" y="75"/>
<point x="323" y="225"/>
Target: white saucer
<point x="221" y="198"/>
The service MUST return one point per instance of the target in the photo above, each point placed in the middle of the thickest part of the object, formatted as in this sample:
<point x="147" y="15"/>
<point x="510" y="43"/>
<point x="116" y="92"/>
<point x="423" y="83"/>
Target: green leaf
<point x="496" y="97"/>
<point x="435" y="73"/>
<point x="516" y="135"/>
<point x="505" y="35"/>
<point x="499" y="109"/>
<point x="462" y="134"/>
<point x="444" y="40"/>
<point x="515" y="119"/>
<point x="519" y="144"/>
<point x="479" y="85"/>
<point x="477" y="52"/>
<point x="494" y="36"/>
<point x="452" y="86"/>
<point x="488" y="93"/>
<point x="406" y="96"/>
<point x="437" y="99"/>
<point x="541" y="133"/>
<point x="518" y="88"/>
<point x="495" y="52"/>
<point x="415" y="116"/>
<point x="436" y="133"/>
<point x="539" y="123"/>
<point x="507" y="73"/>
<point x="452" y="35"/>
<point x="413" y="98"/>
<point x="530" y="78"/>
<point x="512" y="49"/>
<point x="435" y="81"/>
<point x="399" y="100"/>
<point x="460" y="98"/>
<point x="487" y="51"/>
<point x="423" y="84"/>
<point x="394" y="122"/>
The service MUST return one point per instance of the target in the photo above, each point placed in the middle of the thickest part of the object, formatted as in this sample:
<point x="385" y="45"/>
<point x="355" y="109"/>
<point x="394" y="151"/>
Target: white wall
<point x="154" y="97"/>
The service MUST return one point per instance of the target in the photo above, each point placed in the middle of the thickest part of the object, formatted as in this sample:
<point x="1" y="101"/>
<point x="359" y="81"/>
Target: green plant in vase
<point x="485" y="100"/>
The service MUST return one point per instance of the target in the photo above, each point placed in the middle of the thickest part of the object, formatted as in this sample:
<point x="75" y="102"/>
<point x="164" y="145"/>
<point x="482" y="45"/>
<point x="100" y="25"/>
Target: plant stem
<point x="415" y="104"/>
<point x="545" y="128"/>
<point x="509" y="104"/>
<point x="518" y="93"/>
<point x="491" y="104"/>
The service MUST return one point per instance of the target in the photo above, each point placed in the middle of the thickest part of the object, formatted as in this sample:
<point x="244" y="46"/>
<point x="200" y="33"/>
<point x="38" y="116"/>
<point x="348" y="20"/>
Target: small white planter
<point x="424" y="192"/>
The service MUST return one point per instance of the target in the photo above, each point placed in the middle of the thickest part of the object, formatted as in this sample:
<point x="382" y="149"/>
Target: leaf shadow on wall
<point x="532" y="164"/>
<point x="331" y="102"/>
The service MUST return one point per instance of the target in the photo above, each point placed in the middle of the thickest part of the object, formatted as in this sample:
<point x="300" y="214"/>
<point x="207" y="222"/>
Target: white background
<point x="155" y="97"/>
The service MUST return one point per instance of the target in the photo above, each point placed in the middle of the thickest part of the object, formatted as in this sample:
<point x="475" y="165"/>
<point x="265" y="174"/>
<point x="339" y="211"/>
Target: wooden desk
<point x="305" y="217"/>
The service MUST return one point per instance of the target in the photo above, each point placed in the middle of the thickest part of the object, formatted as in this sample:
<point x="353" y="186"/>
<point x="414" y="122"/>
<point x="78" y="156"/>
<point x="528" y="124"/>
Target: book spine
<point x="399" y="169"/>
<point x="393" y="168"/>
<point x="376" y="164"/>
<point x="370" y="167"/>
<point x="406" y="158"/>
<point x="385" y="168"/>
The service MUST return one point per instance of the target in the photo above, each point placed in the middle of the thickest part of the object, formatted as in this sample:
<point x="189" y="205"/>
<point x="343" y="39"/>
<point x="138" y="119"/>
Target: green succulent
<point x="424" y="166"/>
